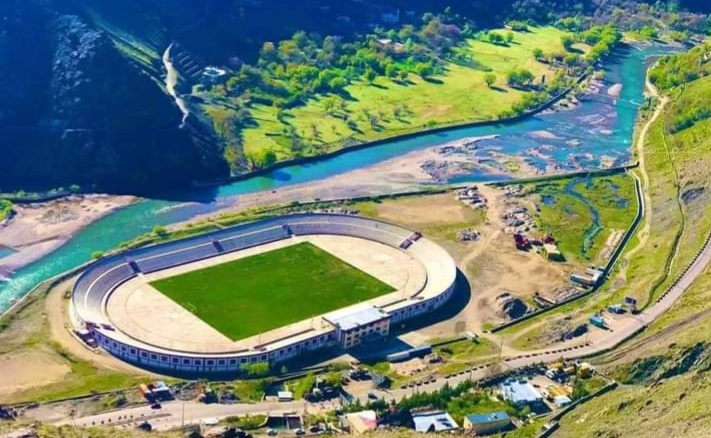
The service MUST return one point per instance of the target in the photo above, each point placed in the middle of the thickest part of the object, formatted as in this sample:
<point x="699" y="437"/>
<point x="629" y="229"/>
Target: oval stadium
<point x="265" y="291"/>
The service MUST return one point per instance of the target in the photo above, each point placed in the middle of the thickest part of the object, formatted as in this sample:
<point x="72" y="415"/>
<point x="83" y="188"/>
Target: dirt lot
<point x="492" y="263"/>
<point x="24" y="369"/>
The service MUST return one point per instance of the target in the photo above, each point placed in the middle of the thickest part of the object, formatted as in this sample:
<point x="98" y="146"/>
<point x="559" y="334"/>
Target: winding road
<point x="176" y="413"/>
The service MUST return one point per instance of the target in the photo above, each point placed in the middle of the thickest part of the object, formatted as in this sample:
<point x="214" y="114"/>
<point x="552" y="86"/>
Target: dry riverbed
<point x="38" y="229"/>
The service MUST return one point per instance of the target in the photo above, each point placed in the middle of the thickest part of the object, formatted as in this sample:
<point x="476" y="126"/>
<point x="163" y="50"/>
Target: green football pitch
<point x="262" y="292"/>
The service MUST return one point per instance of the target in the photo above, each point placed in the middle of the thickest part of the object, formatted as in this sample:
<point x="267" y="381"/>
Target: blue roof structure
<point x="520" y="392"/>
<point x="488" y="418"/>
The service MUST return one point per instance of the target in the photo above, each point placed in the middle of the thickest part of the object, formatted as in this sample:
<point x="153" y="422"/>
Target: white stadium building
<point x="113" y="303"/>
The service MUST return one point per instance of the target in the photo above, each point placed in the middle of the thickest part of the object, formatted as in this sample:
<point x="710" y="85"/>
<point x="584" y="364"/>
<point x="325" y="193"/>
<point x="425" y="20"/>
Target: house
<point x="362" y="422"/>
<point x="521" y="393"/>
<point x="552" y="252"/>
<point x="484" y="424"/>
<point x="285" y="396"/>
<point x="591" y="277"/>
<point x="562" y="401"/>
<point x="355" y="325"/>
<point x="433" y="421"/>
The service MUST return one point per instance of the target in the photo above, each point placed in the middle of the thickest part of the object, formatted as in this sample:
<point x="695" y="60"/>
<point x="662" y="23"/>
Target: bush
<point x="518" y="26"/>
<point x="258" y="369"/>
<point x="248" y="422"/>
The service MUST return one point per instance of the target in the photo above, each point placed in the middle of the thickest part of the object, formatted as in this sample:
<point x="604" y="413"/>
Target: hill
<point x="88" y="104"/>
<point x="665" y="371"/>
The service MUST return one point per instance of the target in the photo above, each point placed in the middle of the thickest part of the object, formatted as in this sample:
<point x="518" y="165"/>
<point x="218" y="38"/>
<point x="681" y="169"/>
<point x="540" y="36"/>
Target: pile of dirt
<point x="509" y="306"/>
<point x="562" y="330"/>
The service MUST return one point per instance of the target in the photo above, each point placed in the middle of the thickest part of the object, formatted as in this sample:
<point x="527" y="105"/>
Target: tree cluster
<point x="290" y="72"/>
<point x="672" y="71"/>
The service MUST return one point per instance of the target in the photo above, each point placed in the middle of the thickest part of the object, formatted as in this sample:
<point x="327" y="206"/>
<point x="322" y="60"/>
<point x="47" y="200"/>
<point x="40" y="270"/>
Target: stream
<point x="171" y="81"/>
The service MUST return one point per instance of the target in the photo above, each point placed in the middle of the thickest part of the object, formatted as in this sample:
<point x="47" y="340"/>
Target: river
<point x="601" y="128"/>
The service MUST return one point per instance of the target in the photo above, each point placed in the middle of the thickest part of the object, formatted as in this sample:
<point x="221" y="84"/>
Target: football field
<point x="256" y="294"/>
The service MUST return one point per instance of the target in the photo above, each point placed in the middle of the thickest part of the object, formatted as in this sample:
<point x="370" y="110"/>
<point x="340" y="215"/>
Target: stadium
<point x="265" y="291"/>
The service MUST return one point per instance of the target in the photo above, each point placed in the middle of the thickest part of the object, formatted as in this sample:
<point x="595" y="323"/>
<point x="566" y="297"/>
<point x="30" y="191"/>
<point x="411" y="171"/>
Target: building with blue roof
<point x="485" y="424"/>
<point x="521" y="393"/>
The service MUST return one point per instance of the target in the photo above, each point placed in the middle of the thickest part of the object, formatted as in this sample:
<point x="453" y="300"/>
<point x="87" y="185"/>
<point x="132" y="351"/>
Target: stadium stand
<point x="95" y="285"/>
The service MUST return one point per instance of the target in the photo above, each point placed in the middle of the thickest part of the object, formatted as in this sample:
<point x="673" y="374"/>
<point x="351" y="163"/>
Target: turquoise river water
<point x="602" y="126"/>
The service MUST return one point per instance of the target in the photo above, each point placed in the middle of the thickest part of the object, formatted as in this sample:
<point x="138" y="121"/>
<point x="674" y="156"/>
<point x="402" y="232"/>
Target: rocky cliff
<point x="75" y="110"/>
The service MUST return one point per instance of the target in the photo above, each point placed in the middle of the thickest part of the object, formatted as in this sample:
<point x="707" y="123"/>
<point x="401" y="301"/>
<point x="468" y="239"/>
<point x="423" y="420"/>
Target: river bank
<point x="37" y="229"/>
<point x="595" y="134"/>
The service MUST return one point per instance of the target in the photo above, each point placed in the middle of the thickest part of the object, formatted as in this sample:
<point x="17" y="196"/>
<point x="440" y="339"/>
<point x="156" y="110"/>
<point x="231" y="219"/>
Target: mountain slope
<point x="78" y="111"/>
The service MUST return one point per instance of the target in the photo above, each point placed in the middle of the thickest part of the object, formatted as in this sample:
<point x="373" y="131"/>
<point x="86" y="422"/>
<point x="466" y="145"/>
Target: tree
<point x="373" y="120"/>
<point x="337" y="84"/>
<point x="518" y="26"/>
<point x="402" y="75"/>
<point x="370" y="75"/>
<point x="397" y="112"/>
<point x="519" y="77"/>
<point x="423" y="69"/>
<point x="258" y="369"/>
<point x="268" y="158"/>
<point x="567" y="42"/>
<point x="391" y="70"/>
<point x="509" y="37"/>
<point x="538" y="54"/>
<point x="490" y="79"/>
<point x="648" y="32"/>
<point x="330" y="104"/>
<point x="315" y="133"/>
<point x="495" y="38"/>
<point x="160" y="231"/>
<point x="571" y="60"/>
<point x="579" y="390"/>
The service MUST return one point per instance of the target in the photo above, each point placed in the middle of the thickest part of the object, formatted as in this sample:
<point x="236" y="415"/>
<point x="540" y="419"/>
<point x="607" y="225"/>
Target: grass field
<point x="256" y="294"/>
<point x="458" y="95"/>
<point x="570" y="208"/>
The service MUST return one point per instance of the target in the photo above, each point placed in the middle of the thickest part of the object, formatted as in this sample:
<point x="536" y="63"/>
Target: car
<point x="372" y="396"/>
<point x="145" y="426"/>
<point x="299" y="431"/>
<point x="156" y="405"/>
<point x="272" y="432"/>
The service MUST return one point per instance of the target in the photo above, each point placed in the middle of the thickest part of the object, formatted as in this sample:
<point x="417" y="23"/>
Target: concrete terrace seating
<point x="177" y="257"/>
<point x="90" y="290"/>
<point x="349" y="226"/>
<point x="254" y="238"/>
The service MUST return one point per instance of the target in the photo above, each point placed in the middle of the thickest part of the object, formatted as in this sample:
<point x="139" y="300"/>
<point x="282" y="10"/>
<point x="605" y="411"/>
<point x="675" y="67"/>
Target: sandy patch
<point x="26" y="369"/>
<point x="38" y="229"/>
<point x="615" y="90"/>
<point x="416" y="211"/>
<point x="547" y="135"/>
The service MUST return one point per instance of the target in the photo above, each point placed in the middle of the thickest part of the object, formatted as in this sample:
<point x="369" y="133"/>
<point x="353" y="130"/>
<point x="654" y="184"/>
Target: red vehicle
<point x="522" y="242"/>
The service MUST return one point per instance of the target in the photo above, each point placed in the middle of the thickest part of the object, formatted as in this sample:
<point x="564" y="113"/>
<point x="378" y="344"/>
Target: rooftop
<point x="519" y="391"/>
<point x="362" y="421"/>
<point x="488" y="418"/>
<point x="433" y="421"/>
<point x="348" y="319"/>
